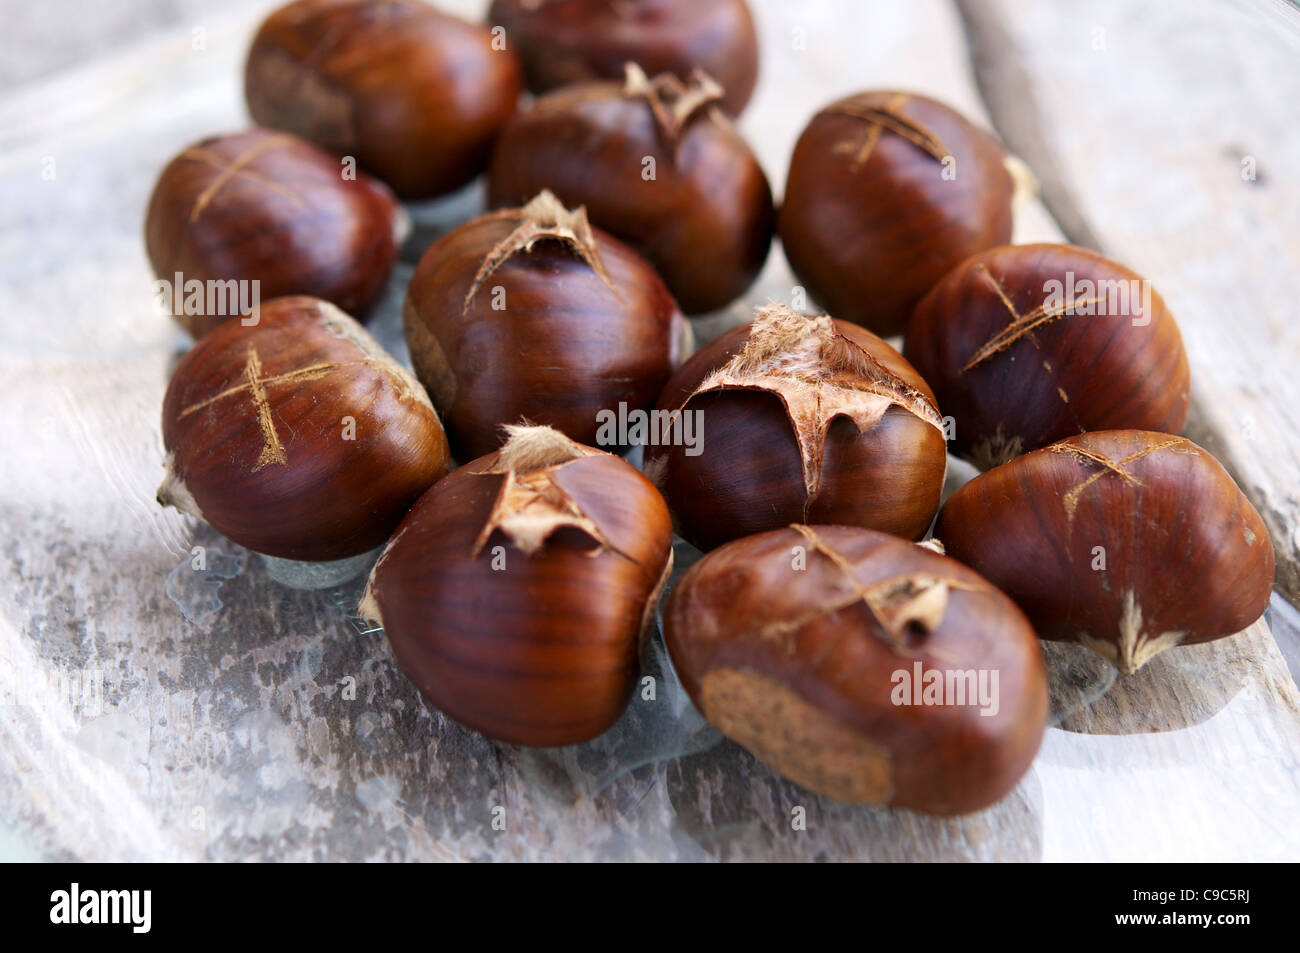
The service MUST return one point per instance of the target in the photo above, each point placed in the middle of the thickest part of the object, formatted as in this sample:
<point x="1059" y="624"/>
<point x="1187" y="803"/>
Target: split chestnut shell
<point x="656" y="164"/>
<point x="516" y="592"/>
<point x="862" y="666"/>
<point x="795" y="418"/>
<point x="886" y="192"/>
<point x="1028" y="344"/>
<point x="298" y="437"/>
<point x="533" y="314"/>
<point x="1127" y="541"/>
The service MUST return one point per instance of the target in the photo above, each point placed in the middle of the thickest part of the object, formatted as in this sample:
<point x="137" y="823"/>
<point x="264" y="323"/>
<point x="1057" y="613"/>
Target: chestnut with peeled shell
<point x="862" y="667"/>
<point x="269" y="208"/>
<point x="1025" y="345"/>
<point x="886" y="192"/>
<point x="561" y="42"/>
<point x="1129" y="542"/>
<point x="656" y="164"/>
<point x="516" y="592"/>
<point x="415" y="95"/>
<point x="532" y="313"/>
<point x="795" y="418"/>
<point x="298" y="437"/>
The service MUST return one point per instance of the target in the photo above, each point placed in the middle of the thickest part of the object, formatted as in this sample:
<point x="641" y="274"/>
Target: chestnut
<point x="1127" y="541"/>
<point x="861" y="666"/>
<point x="561" y="42"/>
<point x="799" y="419"/>
<point x="298" y="437"/>
<point x="530" y="312"/>
<point x="415" y="95"/>
<point x="1025" y="345"/>
<point x="516" y="592"/>
<point x="657" y="165"/>
<point x="267" y="207"/>
<point x="886" y="192"/>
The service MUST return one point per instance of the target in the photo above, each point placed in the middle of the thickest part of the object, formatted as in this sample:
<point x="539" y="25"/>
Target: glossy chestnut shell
<point x="818" y="647"/>
<point x="799" y="419"/>
<point x="298" y="437"/>
<point x="657" y="165"/>
<point x="886" y="192"/>
<point x="516" y="592"/>
<point x="532" y="314"/>
<point x="415" y="95"/>
<point x="562" y="42"/>
<point x="268" y="207"/>
<point x="1127" y="541"/>
<point x="1025" y="345"/>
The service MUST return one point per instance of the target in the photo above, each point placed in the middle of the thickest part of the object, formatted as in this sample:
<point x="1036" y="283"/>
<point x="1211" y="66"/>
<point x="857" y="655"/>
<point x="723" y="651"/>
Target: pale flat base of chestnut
<point x="797" y="740"/>
<point x="431" y="363"/>
<point x="297" y="574"/>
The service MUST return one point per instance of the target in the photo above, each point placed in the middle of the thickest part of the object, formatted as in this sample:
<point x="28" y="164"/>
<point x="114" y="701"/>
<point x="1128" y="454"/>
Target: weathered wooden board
<point x="149" y="710"/>
<point x="1166" y="137"/>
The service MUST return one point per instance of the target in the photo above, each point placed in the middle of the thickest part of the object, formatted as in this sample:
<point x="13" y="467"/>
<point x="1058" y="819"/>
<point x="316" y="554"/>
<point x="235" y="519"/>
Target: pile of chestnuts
<point x="803" y="454"/>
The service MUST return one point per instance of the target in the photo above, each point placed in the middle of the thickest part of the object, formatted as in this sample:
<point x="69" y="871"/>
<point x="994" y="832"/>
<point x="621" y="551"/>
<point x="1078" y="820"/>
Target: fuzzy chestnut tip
<point x="524" y="515"/>
<point x="795" y="390"/>
<point x="249" y="425"/>
<point x="1128" y="542"/>
<point x="1025" y="186"/>
<point x="368" y="607"/>
<point x="174" y="493"/>
<point x="516" y="592"/>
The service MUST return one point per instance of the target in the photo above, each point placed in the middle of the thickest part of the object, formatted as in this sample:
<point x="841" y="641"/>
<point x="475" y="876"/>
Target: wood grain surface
<point x="1167" y="139"/>
<point x="152" y="710"/>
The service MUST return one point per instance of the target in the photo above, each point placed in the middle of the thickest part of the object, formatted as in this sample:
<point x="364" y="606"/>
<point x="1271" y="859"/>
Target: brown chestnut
<point x="532" y="313"/>
<point x="415" y="95"/>
<point x="298" y="437"/>
<point x="657" y="165"/>
<point x="561" y="42"/>
<point x="1028" y="344"/>
<point x="271" y="210"/>
<point x="862" y="667"/>
<point x="1127" y="541"/>
<point x="795" y="418"/>
<point x="516" y="592"/>
<point x="886" y="192"/>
